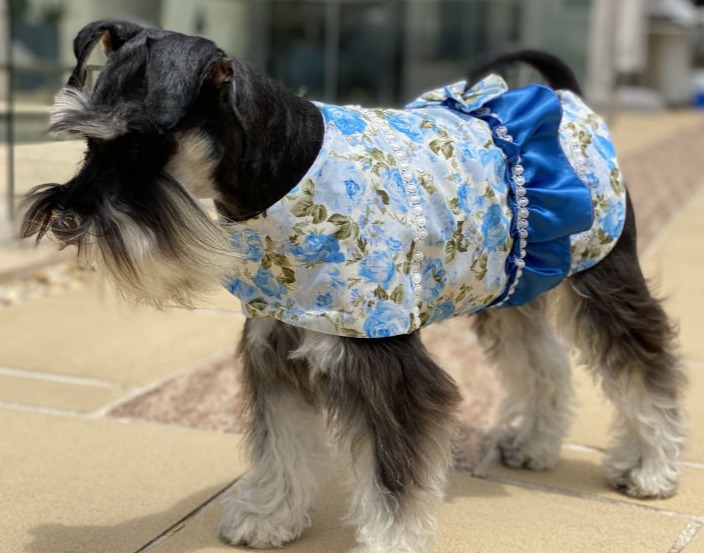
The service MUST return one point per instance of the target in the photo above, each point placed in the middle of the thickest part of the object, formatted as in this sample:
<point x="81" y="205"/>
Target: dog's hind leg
<point x="625" y="335"/>
<point x="394" y="411"/>
<point x="270" y="504"/>
<point x="535" y="372"/>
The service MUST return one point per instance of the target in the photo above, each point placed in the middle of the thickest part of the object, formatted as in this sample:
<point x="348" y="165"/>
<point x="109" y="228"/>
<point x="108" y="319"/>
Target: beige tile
<point x="98" y="486"/>
<point x="675" y="270"/>
<point x="582" y="472"/>
<point x="479" y="516"/>
<point x="697" y="543"/>
<point x="19" y="259"/>
<point x="58" y="394"/>
<point x="694" y="407"/>
<point x="81" y="335"/>
<point x="633" y="132"/>
<point x="486" y="516"/>
<point x="326" y="535"/>
<point x="593" y="414"/>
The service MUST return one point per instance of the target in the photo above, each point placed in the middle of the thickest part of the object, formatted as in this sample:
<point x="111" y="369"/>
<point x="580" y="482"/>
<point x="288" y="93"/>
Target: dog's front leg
<point x="270" y="504"/>
<point x="394" y="410"/>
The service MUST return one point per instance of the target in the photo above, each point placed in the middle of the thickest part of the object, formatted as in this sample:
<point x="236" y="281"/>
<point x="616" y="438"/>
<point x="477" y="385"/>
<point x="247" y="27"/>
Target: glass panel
<point x="295" y="43"/>
<point x="369" y="58"/>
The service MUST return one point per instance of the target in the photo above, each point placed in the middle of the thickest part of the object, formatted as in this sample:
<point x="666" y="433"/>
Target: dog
<point x="331" y="348"/>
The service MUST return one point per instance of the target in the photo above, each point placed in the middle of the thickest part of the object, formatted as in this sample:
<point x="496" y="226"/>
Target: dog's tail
<point x="555" y="71"/>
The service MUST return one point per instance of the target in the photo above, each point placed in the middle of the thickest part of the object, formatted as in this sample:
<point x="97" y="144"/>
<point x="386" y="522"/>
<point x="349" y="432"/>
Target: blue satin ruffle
<point x="525" y="123"/>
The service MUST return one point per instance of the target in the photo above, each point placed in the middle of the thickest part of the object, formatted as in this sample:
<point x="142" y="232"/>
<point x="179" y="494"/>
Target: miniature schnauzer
<point x="345" y="230"/>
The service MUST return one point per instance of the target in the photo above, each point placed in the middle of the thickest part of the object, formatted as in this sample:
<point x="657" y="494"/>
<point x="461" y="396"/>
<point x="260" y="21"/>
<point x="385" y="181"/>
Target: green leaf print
<point x="384" y="196"/>
<point x="308" y="187"/>
<point x="450" y="250"/>
<point x="302" y="206"/>
<point x="288" y="276"/>
<point x="398" y="295"/>
<point x="319" y="213"/>
<point x="381" y="293"/>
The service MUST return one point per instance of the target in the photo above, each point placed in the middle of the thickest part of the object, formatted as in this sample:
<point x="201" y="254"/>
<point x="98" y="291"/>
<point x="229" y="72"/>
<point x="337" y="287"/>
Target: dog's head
<point x="131" y="207"/>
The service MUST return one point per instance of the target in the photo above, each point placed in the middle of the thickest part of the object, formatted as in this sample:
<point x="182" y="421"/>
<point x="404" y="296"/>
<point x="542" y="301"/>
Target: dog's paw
<point x="532" y="455"/>
<point x="643" y="480"/>
<point x="246" y="525"/>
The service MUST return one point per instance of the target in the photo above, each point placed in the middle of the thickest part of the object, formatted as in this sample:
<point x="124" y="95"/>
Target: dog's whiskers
<point x="73" y="112"/>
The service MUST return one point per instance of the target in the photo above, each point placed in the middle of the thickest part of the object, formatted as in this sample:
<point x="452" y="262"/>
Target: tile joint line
<point x="178" y="525"/>
<point x="59" y="378"/>
<point x="699" y="520"/>
<point x="691" y="529"/>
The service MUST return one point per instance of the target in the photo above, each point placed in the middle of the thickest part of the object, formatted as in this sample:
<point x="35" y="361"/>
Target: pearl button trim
<point x="501" y="132"/>
<point x="416" y="209"/>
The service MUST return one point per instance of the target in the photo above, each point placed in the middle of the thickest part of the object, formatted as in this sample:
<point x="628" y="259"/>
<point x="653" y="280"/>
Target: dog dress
<point x="465" y="200"/>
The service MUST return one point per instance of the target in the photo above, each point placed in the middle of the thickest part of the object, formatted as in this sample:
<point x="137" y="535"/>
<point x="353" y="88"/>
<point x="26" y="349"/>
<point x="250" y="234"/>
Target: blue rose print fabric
<point x="467" y="199"/>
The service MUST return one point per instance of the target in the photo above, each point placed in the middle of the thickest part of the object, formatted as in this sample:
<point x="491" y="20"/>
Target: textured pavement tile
<point x="99" y="486"/>
<point x="326" y="535"/>
<point x="80" y="334"/>
<point x="582" y="472"/>
<point x="42" y="392"/>
<point x="632" y="132"/>
<point x="697" y="543"/>
<point x="488" y="517"/>
<point x="676" y="274"/>
<point x="478" y="516"/>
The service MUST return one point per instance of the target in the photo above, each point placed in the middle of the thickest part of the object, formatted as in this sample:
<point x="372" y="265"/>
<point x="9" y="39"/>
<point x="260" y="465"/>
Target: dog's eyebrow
<point x="73" y="112"/>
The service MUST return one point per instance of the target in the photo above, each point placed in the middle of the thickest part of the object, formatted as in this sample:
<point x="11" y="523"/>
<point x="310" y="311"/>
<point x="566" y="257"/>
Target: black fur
<point x="408" y="407"/>
<point x="557" y="73"/>
<point x="113" y="34"/>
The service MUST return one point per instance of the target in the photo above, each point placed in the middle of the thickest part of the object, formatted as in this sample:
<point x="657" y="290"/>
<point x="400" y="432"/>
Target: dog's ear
<point x="112" y="34"/>
<point x="177" y="67"/>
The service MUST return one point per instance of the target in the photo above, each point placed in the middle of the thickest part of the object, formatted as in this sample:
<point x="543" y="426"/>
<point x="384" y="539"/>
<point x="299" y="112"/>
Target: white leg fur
<point x="648" y="440"/>
<point x="536" y="375"/>
<point x="384" y="526"/>
<point x="270" y="504"/>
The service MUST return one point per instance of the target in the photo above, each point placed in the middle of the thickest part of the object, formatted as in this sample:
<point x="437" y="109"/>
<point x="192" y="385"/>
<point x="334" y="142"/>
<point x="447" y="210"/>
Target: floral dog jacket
<point x="467" y="199"/>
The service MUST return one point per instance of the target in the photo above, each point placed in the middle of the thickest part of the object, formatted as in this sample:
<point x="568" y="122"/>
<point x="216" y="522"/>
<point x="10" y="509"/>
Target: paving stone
<point x="58" y="394"/>
<point x="697" y="543"/>
<point x="582" y="472"/>
<point x="478" y="516"/>
<point x="78" y="334"/>
<point x="99" y="486"/>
